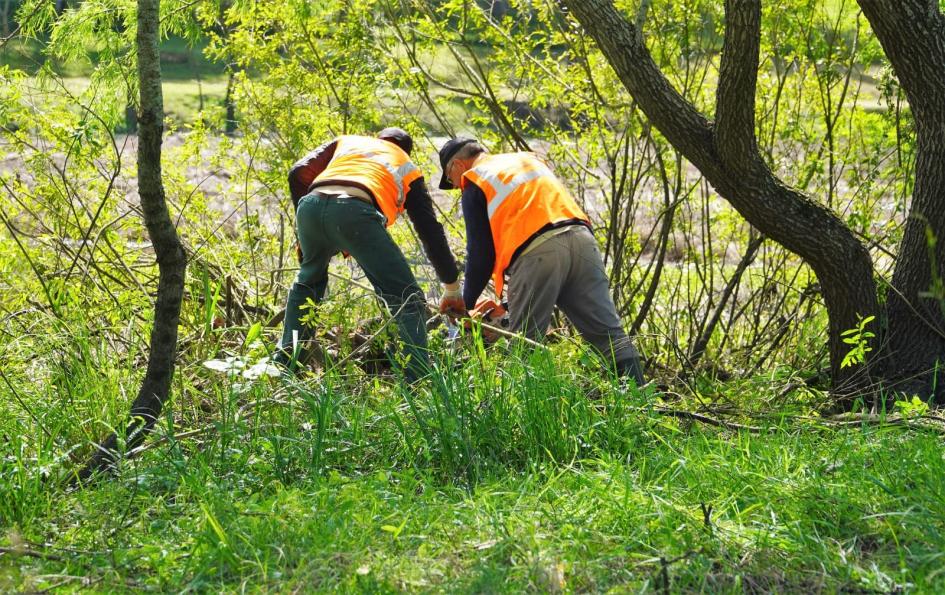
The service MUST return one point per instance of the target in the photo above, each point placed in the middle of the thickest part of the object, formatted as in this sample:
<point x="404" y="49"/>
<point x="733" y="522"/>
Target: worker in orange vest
<point x="522" y="223"/>
<point x="346" y="192"/>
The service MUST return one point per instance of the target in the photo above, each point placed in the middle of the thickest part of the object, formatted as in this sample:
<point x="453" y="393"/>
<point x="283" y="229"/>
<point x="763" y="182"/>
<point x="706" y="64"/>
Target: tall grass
<point x="507" y="469"/>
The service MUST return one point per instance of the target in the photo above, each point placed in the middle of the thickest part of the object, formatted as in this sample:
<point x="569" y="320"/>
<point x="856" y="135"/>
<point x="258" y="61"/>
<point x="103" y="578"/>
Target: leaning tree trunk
<point x="727" y="155"/>
<point x="912" y="33"/>
<point x="172" y="262"/>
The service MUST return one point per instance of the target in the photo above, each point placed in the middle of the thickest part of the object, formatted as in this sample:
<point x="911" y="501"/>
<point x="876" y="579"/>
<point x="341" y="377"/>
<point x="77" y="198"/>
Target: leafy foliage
<point x="509" y="468"/>
<point x="858" y="338"/>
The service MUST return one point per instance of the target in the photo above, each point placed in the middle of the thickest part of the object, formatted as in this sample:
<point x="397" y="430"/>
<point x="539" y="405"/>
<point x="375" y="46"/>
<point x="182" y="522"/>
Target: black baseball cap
<point x="398" y="136"/>
<point x="447" y="151"/>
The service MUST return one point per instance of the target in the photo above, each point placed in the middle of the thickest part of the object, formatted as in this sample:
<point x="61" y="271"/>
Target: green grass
<point x="179" y="59"/>
<point x="542" y="476"/>
<point x="187" y="75"/>
<point x="182" y="98"/>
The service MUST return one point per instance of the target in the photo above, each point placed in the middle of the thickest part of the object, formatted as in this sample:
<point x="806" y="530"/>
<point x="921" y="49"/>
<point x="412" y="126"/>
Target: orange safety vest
<point x="378" y="166"/>
<point x="522" y="197"/>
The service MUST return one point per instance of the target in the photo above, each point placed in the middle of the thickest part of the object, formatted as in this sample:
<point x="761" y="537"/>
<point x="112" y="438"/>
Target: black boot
<point x="631" y="368"/>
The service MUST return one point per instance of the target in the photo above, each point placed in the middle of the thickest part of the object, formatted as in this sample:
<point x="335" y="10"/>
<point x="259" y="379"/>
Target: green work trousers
<point x="327" y="225"/>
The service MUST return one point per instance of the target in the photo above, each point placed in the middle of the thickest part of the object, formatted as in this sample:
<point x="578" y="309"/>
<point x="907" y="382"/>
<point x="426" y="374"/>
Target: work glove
<point x="490" y="312"/>
<point x="452" y="303"/>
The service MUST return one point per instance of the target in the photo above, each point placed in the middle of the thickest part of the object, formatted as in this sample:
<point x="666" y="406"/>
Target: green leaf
<point x="252" y="334"/>
<point x="395" y="531"/>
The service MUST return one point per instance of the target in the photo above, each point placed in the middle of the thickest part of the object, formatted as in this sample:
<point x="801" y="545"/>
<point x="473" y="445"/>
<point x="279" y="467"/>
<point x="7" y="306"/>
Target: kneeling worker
<point x="521" y="222"/>
<point x="346" y="191"/>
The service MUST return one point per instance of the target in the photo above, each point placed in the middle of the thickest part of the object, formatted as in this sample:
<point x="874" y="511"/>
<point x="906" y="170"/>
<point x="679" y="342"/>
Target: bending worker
<point x="346" y="191"/>
<point x="521" y="222"/>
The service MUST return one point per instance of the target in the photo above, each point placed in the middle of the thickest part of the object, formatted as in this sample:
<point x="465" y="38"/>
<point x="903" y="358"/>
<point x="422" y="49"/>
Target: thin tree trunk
<point x="5" y="17"/>
<point x="228" y="102"/>
<point x="171" y="259"/>
<point x="912" y="33"/>
<point x="131" y="115"/>
<point x="727" y="155"/>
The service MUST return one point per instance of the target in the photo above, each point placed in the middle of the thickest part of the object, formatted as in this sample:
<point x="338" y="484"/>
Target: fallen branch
<point x="682" y="414"/>
<point x="846" y="420"/>
<point x="872" y="419"/>
<point x="517" y="336"/>
<point x="28" y="553"/>
<point x="166" y="438"/>
<point x="241" y="415"/>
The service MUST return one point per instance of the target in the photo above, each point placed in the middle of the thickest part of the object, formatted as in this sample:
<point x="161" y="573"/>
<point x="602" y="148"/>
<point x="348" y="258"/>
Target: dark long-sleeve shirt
<point x="306" y="169"/>
<point x="417" y="202"/>
<point x="480" y="246"/>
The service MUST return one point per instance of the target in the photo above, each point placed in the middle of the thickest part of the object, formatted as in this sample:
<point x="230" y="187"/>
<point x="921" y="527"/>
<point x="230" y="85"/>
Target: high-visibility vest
<point x="378" y="166"/>
<point x="522" y="197"/>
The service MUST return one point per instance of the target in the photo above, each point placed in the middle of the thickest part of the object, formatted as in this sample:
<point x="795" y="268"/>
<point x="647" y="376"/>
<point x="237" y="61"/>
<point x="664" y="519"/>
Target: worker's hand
<point x="487" y="310"/>
<point x="452" y="303"/>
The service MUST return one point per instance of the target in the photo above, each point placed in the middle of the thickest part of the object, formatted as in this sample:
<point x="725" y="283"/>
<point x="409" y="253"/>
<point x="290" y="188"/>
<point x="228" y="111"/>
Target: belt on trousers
<point x="336" y="190"/>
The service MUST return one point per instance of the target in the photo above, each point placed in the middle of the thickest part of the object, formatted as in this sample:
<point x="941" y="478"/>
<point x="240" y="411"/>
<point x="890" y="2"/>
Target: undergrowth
<point x="507" y="470"/>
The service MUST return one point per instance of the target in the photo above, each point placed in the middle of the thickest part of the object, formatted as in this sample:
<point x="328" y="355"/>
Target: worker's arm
<point x="306" y="169"/>
<point x="419" y="208"/>
<point x="480" y="247"/>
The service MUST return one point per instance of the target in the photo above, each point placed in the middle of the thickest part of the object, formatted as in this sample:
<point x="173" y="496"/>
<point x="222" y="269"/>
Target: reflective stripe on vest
<point x="522" y="196"/>
<point x="379" y="166"/>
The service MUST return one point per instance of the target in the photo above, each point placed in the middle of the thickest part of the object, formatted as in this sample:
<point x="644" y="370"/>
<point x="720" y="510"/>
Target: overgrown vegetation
<point x="509" y="469"/>
<point x="536" y="478"/>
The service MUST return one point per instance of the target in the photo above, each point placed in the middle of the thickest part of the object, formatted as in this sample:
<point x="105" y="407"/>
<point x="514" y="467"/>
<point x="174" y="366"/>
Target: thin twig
<point x="16" y="395"/>
<point x="518" y="336"/>
<point x="5" y="40"/>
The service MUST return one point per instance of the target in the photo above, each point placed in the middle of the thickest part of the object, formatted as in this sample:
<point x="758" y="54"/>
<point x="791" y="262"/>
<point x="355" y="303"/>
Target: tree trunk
<point x="912" y="33"/>
<point x="727" y="155"/>
<point x="171" y="259"/>
<point x="131" y="116"/>
<point x="5" y="17"/>
<point x="230" y="121"/>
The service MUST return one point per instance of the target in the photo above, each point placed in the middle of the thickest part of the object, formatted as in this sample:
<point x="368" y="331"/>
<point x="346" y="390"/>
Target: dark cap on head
<point x="447" y="151"/>
<point x="398" y="136"/>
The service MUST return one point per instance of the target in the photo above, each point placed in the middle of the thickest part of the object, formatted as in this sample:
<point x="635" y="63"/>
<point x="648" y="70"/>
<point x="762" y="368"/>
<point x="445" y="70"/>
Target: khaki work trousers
<point x="567" y="271"/>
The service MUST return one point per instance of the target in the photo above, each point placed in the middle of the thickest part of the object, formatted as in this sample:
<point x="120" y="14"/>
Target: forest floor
<point x="680" y="508"/>
<point x="506" y="472"/>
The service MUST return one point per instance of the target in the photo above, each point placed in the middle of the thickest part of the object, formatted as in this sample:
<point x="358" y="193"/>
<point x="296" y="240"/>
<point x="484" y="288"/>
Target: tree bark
<point x="912" y="33"/>
<point x="172" y="262"/>
<point x="727" y="155"/>
<point x="5" y="17"/>
<point x="230" y="104"/>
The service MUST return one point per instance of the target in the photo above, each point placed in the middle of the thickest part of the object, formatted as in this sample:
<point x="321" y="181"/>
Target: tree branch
<point x="738" y="76"/>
